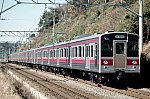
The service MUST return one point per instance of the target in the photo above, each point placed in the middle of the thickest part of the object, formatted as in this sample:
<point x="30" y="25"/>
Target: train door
<point x="50" y="56"/>
<point x="87" y="56"/>
<point x="96" y="55"/>
<point x="70" y="56"/>
<point x="120" y="50"/>
<point x="32" y="53"/>
<point x="34" y="57"/>
<point x="57" y="56"/>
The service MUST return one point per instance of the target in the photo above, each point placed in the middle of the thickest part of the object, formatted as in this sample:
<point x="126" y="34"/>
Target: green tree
<point x="46" y="19"/>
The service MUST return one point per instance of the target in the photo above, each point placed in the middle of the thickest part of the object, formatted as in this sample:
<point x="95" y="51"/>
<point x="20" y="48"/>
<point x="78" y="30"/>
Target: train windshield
<point x="132" y="46"/>
<point x="107" y="46"/>
<point x="107" y="50"/>
<point x="132" y="49"/>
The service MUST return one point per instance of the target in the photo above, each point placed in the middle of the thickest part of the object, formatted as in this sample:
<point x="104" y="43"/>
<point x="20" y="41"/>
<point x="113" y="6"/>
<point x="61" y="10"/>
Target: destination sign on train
<point x="119" y="36"/>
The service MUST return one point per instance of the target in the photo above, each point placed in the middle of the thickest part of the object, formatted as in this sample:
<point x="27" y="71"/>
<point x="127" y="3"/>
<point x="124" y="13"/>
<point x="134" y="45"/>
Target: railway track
<point x="129" y="91"/>
<point x="58" y="90"/>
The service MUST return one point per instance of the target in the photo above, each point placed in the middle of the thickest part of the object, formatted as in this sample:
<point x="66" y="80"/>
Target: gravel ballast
<point x="102" y="93"/>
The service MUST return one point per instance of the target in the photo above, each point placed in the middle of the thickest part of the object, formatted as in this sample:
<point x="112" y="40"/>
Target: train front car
<point x="119" y="56"/>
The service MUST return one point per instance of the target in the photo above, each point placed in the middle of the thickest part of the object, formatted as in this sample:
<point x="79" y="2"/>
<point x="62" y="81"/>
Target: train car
<point x="100" y="57"/>
<point x="13" y="58"/>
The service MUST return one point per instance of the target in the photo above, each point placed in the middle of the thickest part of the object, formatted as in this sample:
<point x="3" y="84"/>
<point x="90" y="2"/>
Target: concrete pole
<point x="54" y="24"/>
<point x="29" y="41"/>
<point x="140" y="27"/>
<point x="53" y="33"/>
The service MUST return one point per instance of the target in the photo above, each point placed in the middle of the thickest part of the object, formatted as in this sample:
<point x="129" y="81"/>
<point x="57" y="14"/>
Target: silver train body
<point x="105" y="53"/>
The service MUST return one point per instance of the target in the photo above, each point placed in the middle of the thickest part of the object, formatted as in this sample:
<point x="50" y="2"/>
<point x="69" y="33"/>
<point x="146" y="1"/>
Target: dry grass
<point x="6" y="91"/>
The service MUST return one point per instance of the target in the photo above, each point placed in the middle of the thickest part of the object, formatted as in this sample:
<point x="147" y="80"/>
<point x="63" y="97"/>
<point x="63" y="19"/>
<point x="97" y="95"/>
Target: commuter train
<point x="101" y="57"/>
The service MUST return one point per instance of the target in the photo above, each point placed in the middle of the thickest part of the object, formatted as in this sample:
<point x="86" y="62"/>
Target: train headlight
<point x="105" y="62"/>
<point x="105" y="67"/>
<point x="134" y="62"/>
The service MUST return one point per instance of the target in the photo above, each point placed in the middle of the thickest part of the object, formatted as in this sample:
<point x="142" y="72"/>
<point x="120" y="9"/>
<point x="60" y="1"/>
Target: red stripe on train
<point x="78" y="61"/>
<point x="107" y="62"/>
<point x="132" y="62"/>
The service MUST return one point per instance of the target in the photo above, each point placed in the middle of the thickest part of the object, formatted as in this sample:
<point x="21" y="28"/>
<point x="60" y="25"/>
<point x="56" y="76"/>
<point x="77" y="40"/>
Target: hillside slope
<point x="89" y="20"/>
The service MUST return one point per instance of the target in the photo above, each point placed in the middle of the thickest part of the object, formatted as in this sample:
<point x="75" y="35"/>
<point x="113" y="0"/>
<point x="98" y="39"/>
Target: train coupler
<point x="120" y="76"/>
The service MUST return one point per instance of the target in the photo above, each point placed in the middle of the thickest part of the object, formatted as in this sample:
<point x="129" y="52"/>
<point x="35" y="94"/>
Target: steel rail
<point x="73" y="93"/>
<point x="129" y="91"/>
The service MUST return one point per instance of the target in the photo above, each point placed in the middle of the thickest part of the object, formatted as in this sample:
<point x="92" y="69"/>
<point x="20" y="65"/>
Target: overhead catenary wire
<point x="8" y="8"/>
<point x="2" y="8"/>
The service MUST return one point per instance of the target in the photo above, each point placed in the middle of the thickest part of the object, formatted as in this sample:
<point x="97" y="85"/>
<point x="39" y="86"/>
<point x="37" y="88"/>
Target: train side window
<point x="38" y="54"/>
<point x="65" y="52"/>
<point x="76" y="54"/>
<point x="35" y="54"/>
<point x="54" y="52"/>
<point x="92" y="51"/>
<point x="61" y="52"/>
<point x="57" y="52"/>
<point x="80" y="51"/>
<point x="30" y="54"/>
<point x="83" y="51"/>
<point x="47" y="54"/>
<point x="51" y="53"/>
<point x="43" y="53"/>
<point x="87" y="51"/>
<point x="96" y="51"/>
<point x="72" y="52"/>
<point x="119" y="48"/>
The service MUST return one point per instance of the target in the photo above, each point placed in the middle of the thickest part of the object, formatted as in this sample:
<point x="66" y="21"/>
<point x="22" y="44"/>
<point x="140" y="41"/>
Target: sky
<point x="23" y="17"/>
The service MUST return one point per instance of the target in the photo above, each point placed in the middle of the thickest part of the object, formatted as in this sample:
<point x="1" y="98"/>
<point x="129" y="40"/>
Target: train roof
<point x="83" y="37"/>
<point x="107" y="32"/>
<point x="78" y="38"/>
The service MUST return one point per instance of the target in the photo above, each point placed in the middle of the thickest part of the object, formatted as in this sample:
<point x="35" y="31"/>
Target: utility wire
<point x="51" y="1"/>
<point x="34" y="1"/>
<point x="2" y="8"/>
<point x="8" y="8"/>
